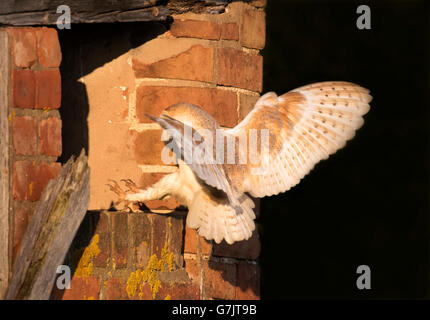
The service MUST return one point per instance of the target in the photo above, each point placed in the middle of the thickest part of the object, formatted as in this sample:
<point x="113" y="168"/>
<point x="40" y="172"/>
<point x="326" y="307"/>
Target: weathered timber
<point x="53" y="225"/>
<point x="4" y="161"/>
<point x="44" y="12"/>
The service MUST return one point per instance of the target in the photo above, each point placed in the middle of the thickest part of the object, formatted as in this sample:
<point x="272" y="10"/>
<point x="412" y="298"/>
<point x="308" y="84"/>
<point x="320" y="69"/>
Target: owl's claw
<point x="117" y="189"/>
<point x="130" y="185"/>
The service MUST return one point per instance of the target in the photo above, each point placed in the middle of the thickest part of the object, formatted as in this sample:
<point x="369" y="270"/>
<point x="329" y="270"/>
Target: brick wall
<point x="213" y="61"/>
<point x="34" y="120"/>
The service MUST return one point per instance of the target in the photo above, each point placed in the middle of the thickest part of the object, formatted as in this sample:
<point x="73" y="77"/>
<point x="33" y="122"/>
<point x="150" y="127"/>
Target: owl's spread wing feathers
<point x="305" y="126"/>
<point x="205" y="168"/>
<point x="217" y="220"/>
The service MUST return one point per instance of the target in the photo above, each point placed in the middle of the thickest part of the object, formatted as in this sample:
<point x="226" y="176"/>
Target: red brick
<point x="120" y="239"/>
<point x="24" y="46"/>
<point x="83" y="288"/>
<point x="149" y="148"/>
<point x="158" y="233"/>
<point x="248" y="282"/>
<point x="175" y="240"/>
<point x="50" y="137"/>
<point x="247" y="249"/>
<point x="30" y="178"/>
<point x="190" y="245"/>
<point x="21" y="218"/>
<point x="253" y="29"/>
<point x="139" y="239"/>
<point x="105" y="241"/>
<point x="116" y="289"/>
<point x="24" y="88"/>
<point x="229" y="31"/>
<point x="221" y="104"/>
<point x="246" y="104"/>
<point x="259" y="3"/>
<point x="147" y="180"/>
<point x="195" y="29"/>
<point x="179" y="291"/>
<point x="48" y="89"/>
<point x="240" y="69"/>
<point x="24" y="135"/>
<point x="194" y="64"/>
<point x="193" y="270"/>
<point x="48" y="48"/>
<point x="220" y="280"/>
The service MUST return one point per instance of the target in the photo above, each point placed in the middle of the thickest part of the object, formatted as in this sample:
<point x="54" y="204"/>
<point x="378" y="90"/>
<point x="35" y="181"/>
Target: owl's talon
<point x="130" y="185"/>
<point x="117" y="189"/>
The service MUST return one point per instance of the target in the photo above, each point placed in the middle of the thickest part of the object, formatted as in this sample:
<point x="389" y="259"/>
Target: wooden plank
<point x="4" y="161"/>
<point x="31" y="12"/>
<point x="54" y="223"/>
<point x="44" y="12"/>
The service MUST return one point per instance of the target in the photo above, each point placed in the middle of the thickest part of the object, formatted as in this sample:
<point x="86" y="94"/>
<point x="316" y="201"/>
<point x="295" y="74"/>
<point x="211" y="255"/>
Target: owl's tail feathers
<point x="218" y="221"/>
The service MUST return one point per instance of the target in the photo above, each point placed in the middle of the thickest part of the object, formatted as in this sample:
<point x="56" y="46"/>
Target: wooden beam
<point x="44" y="12"/>
<point x="58" y="214"/>
<point x="4" y="160"/>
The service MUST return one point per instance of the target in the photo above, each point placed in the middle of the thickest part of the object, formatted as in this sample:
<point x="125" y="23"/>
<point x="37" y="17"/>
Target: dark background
<point x="368" y="203"/>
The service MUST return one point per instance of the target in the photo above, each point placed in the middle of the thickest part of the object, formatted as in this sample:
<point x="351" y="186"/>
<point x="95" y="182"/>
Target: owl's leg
<point x="165" y="186"/>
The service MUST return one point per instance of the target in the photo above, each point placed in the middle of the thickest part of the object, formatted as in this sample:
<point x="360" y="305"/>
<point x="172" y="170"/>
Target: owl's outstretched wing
<point x="304" y="126"/>
<point x="205" y="167"/>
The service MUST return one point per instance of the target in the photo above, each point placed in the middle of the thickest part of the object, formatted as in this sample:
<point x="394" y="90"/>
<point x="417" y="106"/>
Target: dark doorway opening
<point x="368" y="203"/>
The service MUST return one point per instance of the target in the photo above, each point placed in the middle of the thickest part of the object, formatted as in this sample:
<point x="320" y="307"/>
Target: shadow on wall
<point x="86" y="47"/>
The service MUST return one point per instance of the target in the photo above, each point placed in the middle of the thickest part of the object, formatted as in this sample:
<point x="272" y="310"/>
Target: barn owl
<point x="295" y="131"/>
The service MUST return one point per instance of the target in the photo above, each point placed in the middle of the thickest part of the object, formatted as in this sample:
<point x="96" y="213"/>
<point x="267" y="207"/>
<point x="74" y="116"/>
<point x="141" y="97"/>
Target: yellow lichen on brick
<point x="85" y="264"/>
<point x="137" y="279"/>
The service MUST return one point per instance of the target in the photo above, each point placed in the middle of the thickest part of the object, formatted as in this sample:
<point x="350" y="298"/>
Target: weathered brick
<point x="140" y="239"/>
<point x="220" y="280"/>
<point x="190" y="245"/>
<point x="175" y="239"/>
<point x="21" y="218"/>
<point x="24" y="135"/>
<point x="120" y="239"/>
<point x="221" y="104"/>
<point x="246" y="104"/>
<point x="105" y="242"/>
<point x="148" y="179"/>
<point x="48" y="89"/>
<point x="30" y="178"/>
<point x="193" y="270"/>
<point x="229" y="31"/>
<point x="253" y="29"/>
<point x="24" y="46"/>
<point x="247" y="249"/>
<point x="179" y="291"/>
<point x="50" y="137"/>
<point x="195" y="63"/>
<point x="116" y="289"/>
<point x="240" y="69"/>
<point x="248" y="281"/>
<point x="48" y="47"/>
<point x="195" y="29"/>
<point x="259" y="3"/>
<point x="158" y="233"/>
<point x="83" y="288"/>
<point x="24" y="88"/>
<point x="149" y="148"/>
